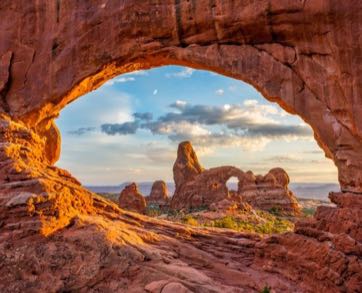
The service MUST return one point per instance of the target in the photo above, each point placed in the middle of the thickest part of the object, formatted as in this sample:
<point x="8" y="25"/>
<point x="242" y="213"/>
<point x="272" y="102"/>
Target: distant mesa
<point x="131" y="199"/>
<point x="197" y="187"/>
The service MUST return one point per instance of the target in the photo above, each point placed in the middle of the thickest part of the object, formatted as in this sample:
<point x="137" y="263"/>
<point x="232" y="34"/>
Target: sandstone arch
<point x="304" y="55"/>
<point x="294" y="52"/>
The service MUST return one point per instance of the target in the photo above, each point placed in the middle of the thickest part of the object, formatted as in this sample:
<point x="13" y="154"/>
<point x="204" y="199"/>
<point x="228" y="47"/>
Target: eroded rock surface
<point x="57" y="236"/>
<point x="206" y="187"/>
<point x="269" y="192"/>
<point x="308" y="46"/>
<point x="186" y="166"/>
<point x="159" y="193"/>
<point x="131" y="199"/>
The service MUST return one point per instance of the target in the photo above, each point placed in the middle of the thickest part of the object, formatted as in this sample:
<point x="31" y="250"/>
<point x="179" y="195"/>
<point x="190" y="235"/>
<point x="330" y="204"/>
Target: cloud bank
<point x="250" y="125"/>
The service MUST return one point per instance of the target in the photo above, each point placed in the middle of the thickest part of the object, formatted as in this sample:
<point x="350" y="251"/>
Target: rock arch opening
<point x="300" y="54"/>
<point x="232" y="184"/>
<point x="128" y="130"/>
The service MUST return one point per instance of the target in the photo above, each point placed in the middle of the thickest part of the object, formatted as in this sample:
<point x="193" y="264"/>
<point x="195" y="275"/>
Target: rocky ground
<point x="244" y="220"/>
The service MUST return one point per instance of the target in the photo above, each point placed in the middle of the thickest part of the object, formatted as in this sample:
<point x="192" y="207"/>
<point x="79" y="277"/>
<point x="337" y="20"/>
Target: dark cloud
<point x="120" y="128"/>
<point x="82" y="130"/>
<point x="278" y="130"/>
<point x="245" y="125"/>
<point x="250" y="118"/>
<point x="247" y="120"/>
<point x="146" y="116"/>
<point x="203" y="114"/>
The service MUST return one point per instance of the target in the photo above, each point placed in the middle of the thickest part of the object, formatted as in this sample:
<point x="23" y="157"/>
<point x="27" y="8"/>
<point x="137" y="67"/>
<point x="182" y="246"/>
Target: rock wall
<point x="206" y="187"/>
<point x="57" y="236"/>
<point x="309" y="47"/>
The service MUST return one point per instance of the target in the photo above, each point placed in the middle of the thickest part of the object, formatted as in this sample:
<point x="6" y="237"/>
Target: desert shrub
<point x="153" y="211"/>
<point x="110" y="196"/>
<point x="226" y="222"/>
<point x="198" y="209"/>
<point x="266" y="289"/>
<point x="269" y="225"/>
<point x="190" y="220"/>
<point x="275" y="211"/>
<point x="308" y="212"/>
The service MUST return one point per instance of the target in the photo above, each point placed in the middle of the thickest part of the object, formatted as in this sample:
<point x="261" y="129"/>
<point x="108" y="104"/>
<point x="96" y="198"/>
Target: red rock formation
<point x="208" y="187"/>
<point x="314" y="73"/>
<point x="204" y="189"/>
<point x="159" y="193"/>
<point x="269" y="192"/>
<point x="57" y="236"/>
<point x="186" y="166"/>
<point x="131" y="199"/>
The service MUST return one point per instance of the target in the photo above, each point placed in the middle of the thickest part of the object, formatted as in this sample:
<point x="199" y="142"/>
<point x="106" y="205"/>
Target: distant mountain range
<point x="302" y="190"/>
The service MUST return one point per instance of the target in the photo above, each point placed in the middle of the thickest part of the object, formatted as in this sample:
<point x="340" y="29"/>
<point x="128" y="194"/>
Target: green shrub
<point x="266" y="289"/>
<point x="190" y="220"/>
<point x="153" y="211"/>
<point x="275" y="211"/>
<point x="271" y="224"/>
<point x="226" y="222"/>
<point x="198" y="209"/>
<point x="308" y="212"/>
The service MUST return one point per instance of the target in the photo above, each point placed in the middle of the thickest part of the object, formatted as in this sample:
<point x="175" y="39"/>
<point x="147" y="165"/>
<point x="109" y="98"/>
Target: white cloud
<point x="155" y="91"/>
<point x="182" y="128"/>
<point x="138" y="72"/>
<point x="250" y="125"/>
<point x="121" y="79"/>
<point x="184" y="73"/>
<point x="220" y="92"/>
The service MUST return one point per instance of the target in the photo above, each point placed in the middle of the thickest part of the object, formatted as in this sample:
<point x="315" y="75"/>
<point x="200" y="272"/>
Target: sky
<point x="129" y="129"/>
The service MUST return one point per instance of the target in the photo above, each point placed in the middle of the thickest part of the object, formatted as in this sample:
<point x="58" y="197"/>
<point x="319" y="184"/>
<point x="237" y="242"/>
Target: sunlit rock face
<point x="131" y="199"/>
<point x="197" y="187"/>
<point x="159" y="193"/>
<point x="186" y="167"/>
<point x="297" y="53"/>
<point x="304" y="55"/>
<point x="269" y="192"/>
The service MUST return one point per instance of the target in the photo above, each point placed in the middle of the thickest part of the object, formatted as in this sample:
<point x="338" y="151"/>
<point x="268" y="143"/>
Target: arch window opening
<point x="232" y="184"/>
<point x="129" y="130"/>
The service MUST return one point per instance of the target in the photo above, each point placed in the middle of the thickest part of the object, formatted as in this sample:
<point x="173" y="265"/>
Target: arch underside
<point x="301" y="54"/>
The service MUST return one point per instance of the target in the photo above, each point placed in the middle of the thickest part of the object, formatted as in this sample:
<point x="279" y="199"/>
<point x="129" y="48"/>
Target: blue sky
<point x="128" y="129"/>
